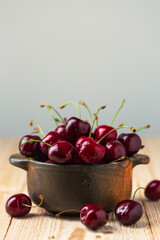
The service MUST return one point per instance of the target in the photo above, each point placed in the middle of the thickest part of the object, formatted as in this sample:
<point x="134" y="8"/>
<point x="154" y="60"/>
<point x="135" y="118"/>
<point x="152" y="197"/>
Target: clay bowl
<point x="73" y="186"/>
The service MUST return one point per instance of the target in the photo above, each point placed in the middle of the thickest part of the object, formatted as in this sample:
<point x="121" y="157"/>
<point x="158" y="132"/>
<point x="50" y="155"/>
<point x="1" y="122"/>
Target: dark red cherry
<point x="50" y="138"/>
<point x="152" y="190"/>
<point x="93" y="216"/>
<point x="128" y="212"/>
<point x="131" y="142"/>
<point x="75" y="128"/>
<point x="114" y="150"/>
<point x="29" y="149"/>
<point x="15" y="207"/>
<point x="89" y="151"/>
<point x="61" y="131"/>
<point x="49" y="161"/>
<point x="102" y="130"/>
<point x="61" y="152"/>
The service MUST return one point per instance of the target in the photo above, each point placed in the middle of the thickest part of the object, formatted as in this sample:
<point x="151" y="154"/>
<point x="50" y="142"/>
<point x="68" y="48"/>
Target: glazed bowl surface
<point x="73" y="186"/>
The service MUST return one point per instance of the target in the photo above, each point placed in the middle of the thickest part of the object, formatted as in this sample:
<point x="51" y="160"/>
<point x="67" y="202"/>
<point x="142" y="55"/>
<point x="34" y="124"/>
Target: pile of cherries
<point x="127" y="212"/>
<point x="75" y="141"/>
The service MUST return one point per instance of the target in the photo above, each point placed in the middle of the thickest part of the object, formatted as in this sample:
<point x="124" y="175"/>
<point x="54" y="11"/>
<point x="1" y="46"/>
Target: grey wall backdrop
<point x="101" y="51"/>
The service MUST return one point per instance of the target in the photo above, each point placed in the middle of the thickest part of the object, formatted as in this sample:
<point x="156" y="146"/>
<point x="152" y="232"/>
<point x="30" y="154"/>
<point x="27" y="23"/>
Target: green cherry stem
<point x="73" y="103"/>
<point x="119" y="109"/>
<point x="89" y="111"/>
<point x="41" y="198"/>
<point x="95" y="117"/>
<point x="131" y="128"/>
<point x="34" y="140"/>
<point x="144" y="127"/>
<point x="49" y="109"/>
<point x="40" y="129"/>
<point x="136" y="192"/>
<point x="119" y="159"/>
<point x="96" y="120"/>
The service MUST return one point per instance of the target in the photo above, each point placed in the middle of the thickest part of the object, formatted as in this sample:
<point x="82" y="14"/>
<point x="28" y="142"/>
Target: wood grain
<point x="42" y="226"/>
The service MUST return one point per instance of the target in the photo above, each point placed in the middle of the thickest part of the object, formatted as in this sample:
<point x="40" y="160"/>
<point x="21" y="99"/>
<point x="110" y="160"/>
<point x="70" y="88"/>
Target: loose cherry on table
<point x="129" y="212"/>
<point x="61" y="152"/>
<point x="114" y="150"/>
<point x="30" y="149"/>
<point x="91" y="215"/>
<point x="20" y="204"/>
<point x="152" y="190"/>
<point x="16" y="205"/>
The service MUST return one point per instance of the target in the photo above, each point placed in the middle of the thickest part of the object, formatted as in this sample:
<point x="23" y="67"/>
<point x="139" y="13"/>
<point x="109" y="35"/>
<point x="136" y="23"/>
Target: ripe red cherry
<point x="114" y="150"/>
<point x="15" y="207"/>
<point x="61" y="152"/>
<point x="128" y="212"/>
<point x="75" y="128"/>
<point x="50" y="138"/>
<point x="131" y="142"/>
<point x="89" y="151"/>
<point x="93" y="216"/>
<point x="103" y="130"/>
<point x="152" y="190"/>
<point x="61" y="131"/>
<point x="49" y="161"/>
<point x="29" y="149"/>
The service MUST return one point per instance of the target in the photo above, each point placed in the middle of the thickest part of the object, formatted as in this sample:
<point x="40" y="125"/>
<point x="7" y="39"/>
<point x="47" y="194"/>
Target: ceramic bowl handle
<point x="19" y="161"/>
<point x="140" y="159"/>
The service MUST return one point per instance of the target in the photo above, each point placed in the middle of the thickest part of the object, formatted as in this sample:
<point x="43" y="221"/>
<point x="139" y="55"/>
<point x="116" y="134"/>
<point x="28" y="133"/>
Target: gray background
<point x="97" y="51"/>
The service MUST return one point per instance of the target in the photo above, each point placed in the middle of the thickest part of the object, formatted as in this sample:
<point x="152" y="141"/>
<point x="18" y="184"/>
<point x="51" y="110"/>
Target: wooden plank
<point x="144" y="176"/>
<point x="41" y="225"/>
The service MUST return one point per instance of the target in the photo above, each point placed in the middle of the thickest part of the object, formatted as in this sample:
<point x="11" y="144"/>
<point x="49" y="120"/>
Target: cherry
<point x="103" y="130"/>
<point x="50" y="138"/>
<point x="76" y="128"/>
<point x="93" y="216"/>
<point x="49" y="161"/>
<point x="30" y="149"/>
<point x="114" y="150"/>
<point x="152" y="191"/>
<point x="16" y="205"/>
<point x="61" y="131"/>
<point x="131" y="142"/>
<point x="128" y="212"/>
<point x="61" y="152"/>
<point x="89" y="151"/>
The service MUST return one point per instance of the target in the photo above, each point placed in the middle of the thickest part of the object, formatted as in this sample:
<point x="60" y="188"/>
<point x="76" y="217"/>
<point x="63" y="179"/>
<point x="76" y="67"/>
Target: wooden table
<point x="39" y="224"/>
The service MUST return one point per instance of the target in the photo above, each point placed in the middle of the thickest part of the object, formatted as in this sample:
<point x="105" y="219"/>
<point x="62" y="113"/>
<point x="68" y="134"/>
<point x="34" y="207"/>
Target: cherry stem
<point x="73" y="103"/>
<point x="69" y="210"/>
<point x="144" y="127"/>
<point x="95" y="117"/>
<point x="119" y="109"/>
<point x="96" y="120"/>
<point x="136" y="192"/>
<point x="119" y="159"/>
<point x="34" y="140"/>
<point x="41" y="198"/>
<point x="89" y="111"/>
<point x="40" y="129"/>
<point x="49" y="107"/>
<point x="131" y="128"/>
